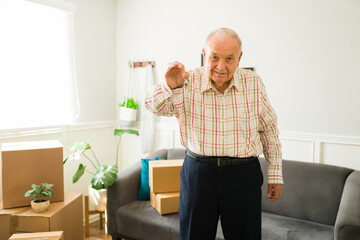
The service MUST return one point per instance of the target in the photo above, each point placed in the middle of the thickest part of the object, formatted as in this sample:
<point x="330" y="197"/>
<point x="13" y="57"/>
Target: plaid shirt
<point x="239" y="123"/>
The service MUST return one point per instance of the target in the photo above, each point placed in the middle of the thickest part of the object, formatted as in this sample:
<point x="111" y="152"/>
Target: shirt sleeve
<point x="161" y="100"/>
<point x="269" y="136"/>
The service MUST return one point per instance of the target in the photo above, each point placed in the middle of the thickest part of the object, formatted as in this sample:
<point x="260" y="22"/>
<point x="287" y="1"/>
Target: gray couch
<point x="318" y="202"/>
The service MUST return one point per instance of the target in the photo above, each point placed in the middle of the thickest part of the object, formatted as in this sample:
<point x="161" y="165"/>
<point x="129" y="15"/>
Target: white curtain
<point x="147" y="119"/>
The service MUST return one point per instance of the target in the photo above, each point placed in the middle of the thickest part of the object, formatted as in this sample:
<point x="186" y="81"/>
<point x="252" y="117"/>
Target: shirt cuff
<point x="168" y="91"/>
<point x="275" y="176"/>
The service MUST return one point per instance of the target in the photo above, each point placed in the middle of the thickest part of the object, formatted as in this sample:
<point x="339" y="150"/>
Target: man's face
<point x="222" y="57"/>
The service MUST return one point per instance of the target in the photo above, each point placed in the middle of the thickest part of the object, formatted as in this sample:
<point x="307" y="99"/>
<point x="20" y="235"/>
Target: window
<point x="37" y="79"/>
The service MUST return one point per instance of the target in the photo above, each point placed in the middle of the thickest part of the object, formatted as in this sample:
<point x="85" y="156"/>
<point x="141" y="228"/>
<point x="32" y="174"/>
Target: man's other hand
<point x="274" y="191"/>
<point x="175" y="75"/>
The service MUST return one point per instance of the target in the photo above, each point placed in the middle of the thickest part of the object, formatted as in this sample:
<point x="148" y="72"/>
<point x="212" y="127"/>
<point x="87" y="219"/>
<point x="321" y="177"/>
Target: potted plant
<point x="41" y="195"/>
<point x="128" y="112"/>
<point x="103" y="176"/>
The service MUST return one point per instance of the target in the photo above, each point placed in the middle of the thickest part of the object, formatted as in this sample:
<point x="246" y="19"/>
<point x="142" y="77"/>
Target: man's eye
<point x="229" y="59"/>
<point x="214" y="57"/>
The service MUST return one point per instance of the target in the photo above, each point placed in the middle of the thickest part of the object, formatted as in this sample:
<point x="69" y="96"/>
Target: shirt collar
<point x="237" y="79"/>
<point x="207" y="85"/>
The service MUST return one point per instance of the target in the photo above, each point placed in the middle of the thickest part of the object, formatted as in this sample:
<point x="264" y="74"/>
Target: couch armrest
<point x="123" y="191"/>
<point x="347" y="225"/>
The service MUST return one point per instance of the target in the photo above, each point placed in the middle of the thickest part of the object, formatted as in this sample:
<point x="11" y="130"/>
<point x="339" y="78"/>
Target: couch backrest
<point x="311" y="191"/>
<point x="171" y="153"/>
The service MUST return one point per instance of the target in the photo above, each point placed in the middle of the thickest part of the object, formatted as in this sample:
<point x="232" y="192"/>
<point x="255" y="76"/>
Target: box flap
<point x="56" y="235"/>
<point x="16" y="146"/>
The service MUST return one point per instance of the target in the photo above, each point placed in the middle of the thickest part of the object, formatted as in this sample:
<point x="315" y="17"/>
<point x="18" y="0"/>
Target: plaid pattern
<point x="238" y="123"/>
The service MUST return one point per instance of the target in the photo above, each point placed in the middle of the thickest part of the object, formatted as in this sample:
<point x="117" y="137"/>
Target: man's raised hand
<point x="175" y="75"/>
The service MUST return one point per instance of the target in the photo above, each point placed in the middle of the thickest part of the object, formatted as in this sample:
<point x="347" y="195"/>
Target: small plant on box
<point x="41" y="195"/>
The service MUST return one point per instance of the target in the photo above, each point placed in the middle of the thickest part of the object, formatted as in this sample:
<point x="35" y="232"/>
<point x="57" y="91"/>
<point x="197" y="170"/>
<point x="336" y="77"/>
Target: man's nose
<point x="222" y="65"/>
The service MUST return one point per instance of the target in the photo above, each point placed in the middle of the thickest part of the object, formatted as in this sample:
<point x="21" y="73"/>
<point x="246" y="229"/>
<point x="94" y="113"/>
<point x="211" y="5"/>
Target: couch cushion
<point x="311" y="191"/>
<point x="281" y="227"/>
<point x="140" y="220"/>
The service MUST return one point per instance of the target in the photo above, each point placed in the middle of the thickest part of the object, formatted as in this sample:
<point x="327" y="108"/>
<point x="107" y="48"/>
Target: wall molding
<point x="296" y="145"/>
<point x="318" y="142"/>
<point x="321" y="138"/>
<point x="288" y="135"/>
<point x="10" y="134"/>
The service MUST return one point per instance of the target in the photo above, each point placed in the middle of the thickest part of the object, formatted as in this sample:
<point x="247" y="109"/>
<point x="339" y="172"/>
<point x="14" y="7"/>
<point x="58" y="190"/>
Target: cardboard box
<point x="39" y="236"/>
<point x="165" y="203"/>
<point x="164" y="175"/>
<point x="26" y="163"/>
<point x="66" y="216"/>
<point x="8" y="221"/>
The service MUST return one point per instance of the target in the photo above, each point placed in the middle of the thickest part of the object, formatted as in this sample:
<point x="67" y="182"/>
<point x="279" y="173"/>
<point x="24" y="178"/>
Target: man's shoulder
<point x="246" y="73"/>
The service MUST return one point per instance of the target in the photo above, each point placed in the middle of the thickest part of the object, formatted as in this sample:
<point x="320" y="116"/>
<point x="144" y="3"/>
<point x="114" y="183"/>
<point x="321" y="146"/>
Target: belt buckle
<point x="222" y="163"/>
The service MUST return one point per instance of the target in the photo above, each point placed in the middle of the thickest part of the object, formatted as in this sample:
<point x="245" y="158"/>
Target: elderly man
<point x="226" y="121"/>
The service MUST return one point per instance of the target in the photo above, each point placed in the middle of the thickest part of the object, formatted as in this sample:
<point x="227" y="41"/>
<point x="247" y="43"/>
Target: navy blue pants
<point x="233" y="193"/>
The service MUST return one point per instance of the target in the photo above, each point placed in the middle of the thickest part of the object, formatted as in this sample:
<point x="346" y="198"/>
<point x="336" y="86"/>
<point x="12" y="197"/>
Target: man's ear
<point x="239" y="58"/>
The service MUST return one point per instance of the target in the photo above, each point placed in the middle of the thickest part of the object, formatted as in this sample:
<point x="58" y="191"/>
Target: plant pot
<point x="40" y="207"/>
<point x="127" y="116"/>
<point x="98" y="198"/>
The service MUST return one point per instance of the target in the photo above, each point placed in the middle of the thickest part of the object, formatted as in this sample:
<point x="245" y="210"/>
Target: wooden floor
<point x="96" y="233"/>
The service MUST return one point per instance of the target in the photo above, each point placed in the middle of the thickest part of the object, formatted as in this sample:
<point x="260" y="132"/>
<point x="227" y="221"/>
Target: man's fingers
<point x="176" y="75"/>
<point x="176" y="65"/>
<point x="274" y="192"/>
<point x="179" y="66"/>
<point x="186" y="75"/>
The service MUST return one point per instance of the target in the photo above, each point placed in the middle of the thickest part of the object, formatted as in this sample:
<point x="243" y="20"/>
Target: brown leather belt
<point x="219" y="161"/>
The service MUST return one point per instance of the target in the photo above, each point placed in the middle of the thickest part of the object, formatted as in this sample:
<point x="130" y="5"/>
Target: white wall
<point x="95" y="50"/>
<point x="307" y="53"/>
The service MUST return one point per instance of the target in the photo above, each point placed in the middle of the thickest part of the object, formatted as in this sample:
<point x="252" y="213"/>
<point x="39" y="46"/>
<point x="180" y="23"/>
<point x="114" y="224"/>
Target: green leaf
<point x="119" y="132"/>
<point x="76" y="150"/>
<point x="28" y="193"/>
<point x="104" y="177"/>
<point x="40" y="192"/>
<point x="79" y="173"/>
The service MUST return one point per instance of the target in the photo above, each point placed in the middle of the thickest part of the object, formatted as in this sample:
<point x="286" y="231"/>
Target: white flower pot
<point x="127" y="116"/>
<point x="98" y="198"/>
<point x="40" y="207"/>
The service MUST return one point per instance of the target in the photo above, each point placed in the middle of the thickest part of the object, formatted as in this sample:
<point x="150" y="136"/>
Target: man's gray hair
<point x="222" y="32"/>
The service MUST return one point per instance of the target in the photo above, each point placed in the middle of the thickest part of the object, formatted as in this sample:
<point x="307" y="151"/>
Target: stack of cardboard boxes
<point x="36" y="162"/>
<point x="164" y="180"/>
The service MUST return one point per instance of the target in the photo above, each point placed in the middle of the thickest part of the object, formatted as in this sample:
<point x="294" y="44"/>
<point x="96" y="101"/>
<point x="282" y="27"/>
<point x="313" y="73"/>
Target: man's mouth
<point x="220" y="73"/>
